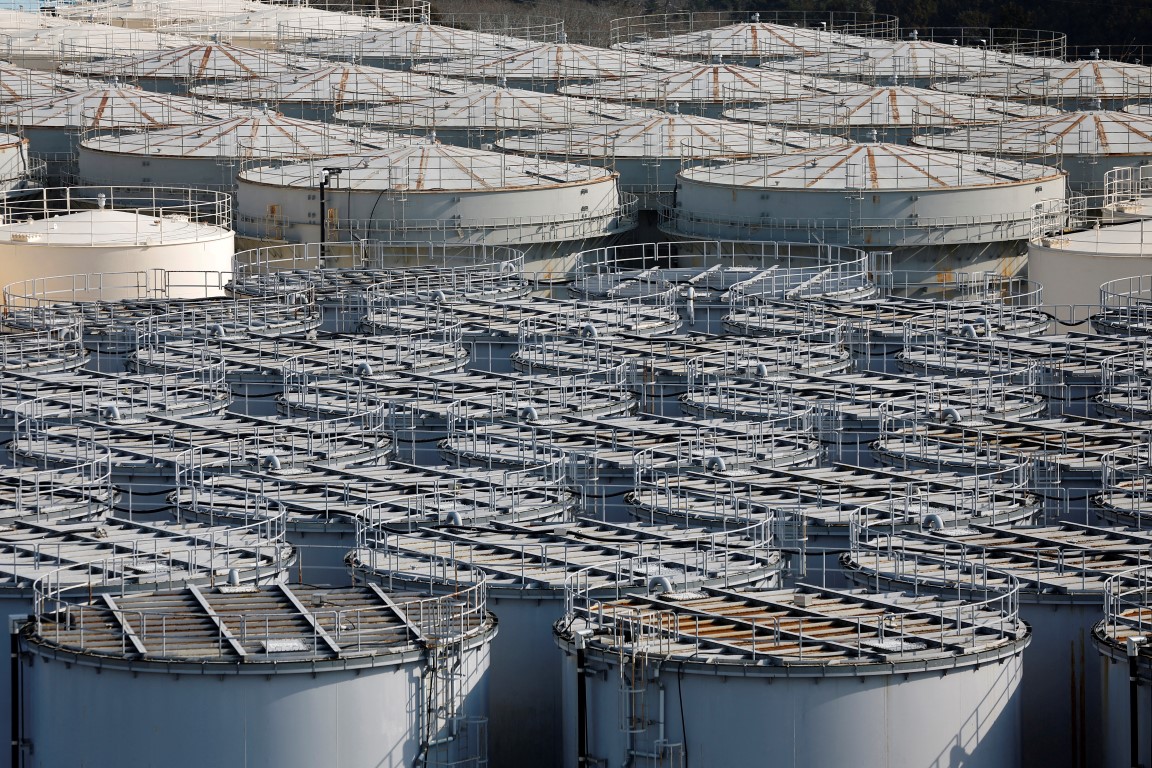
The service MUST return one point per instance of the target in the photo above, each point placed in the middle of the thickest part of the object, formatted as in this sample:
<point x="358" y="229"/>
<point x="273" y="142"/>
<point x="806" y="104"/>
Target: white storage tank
<point x="273" y="26"/>
<point x="50" y="48"/>
<point x="705" y="88"/>
<point x="432" y="192"/>
<point x="153" y="14"/>
<point x="649" y="150"/>
<point x="891" y="113"/>
<point x="18" y="172"/>
<point x="482" y="114"/>
<point x="812" y="677"/>
<point x="1083" y="84"/>
<point x="547" y="66"/>
<point x="319" y="92"/>
<point x="1085" y="145"/>
<point x="110" y="229"/>
<point x="1123" y="644"/>
<point x="209" y="154"/>
<point x="528" y="568"/>
<point x="311" y="676"/>
<point x="1073" y="266"/>
<point x="406" y="45"/>
<point x="938" y="211"/>
<point x="53" y="124"/>
<point x="174" y="70"/>
<point x="17" y="83"/>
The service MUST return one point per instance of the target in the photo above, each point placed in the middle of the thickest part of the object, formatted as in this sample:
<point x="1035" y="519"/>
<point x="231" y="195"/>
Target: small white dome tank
<point x="1084" y="144"/>
<point x="1073" y="266"/>
<point x="155" y="14"/>
<point x="812" y="677"/>
<point x="53" y="124"/>
<point x="896" y="113"/>
<point x="482" y="114"/>
<point x="544" y="67"/>
<point x="705" y="88"/>
<point x="288" y="674"/>
<point x="403" y="46"/>
<point x="209" y="155"/>
<point x="648" y="151"/>
<point x="171" y="71"/>
<point x="318" y="93"/>
<point x="1090" y="82"/>
<point x="940" y="211"/>
<point x="110" y="229"/>
<point x="432" y="192"/>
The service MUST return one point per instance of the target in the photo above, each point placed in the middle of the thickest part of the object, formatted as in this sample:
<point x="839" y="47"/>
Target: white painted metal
<point x="18" y="83"/>
<point x="273" y="26"/>
<point x="1072" y="266"/>
<point x="408" y="44"/>
<point x="48" y="48"/>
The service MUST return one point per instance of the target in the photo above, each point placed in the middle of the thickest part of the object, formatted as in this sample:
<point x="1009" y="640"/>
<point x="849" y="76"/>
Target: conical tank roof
<point x="554" y="61"/>
<point x="414" y="42"/>
<point x="335" y="83"/>
<point x="1096" y="132"/>
<point x="253" y="134"/>
<point x="291" y="21"/>
<point x="83" y="41"/>
<point x="12" y="20"/>
<point x="998" y="85"/>
<point x="708" y="83"/>
<point x="17" y="83"/>
<point x="897" y="105"/>
<point x="152" y="14"/>
<point x="754" y="38"/>
<point x="108" y="106"/>
<point x="909" y="58"/>
<point x="1089" y="79"/>
<point x="872" y="166"/>
<point x="484" y="107"/>
<point x="670" y="135"/>
<point x="199" y="61"/>
<point x="429" y="166"/>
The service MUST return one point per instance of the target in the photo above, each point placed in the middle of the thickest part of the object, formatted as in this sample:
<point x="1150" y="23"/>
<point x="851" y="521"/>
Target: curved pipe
<point x="453" y="518"/>
<point x="951" y="416"/>
<point x="968" y="331"/>
<point x="715" y="464"/>
<point x="762" y="370"/>
<point x="439" y="297"/>
<point x="111" y="412"/>
<point x="986" y="324"/>
<point x="216" y="330"/>
<point x="528" y="413"/>
<point x="271" y="461"/>
<point x="589" y="331"/>
<point x="659" y="585"/>
<point x="932" y="522"/>
<point x="362" y="369"/>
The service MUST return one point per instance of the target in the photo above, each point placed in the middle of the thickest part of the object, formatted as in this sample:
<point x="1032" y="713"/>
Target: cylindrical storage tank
<point x="548" y="66"/>
<point x="176" y="69"/>
<point x="312" y="676"/>
<point x="210" y="154"/>
<point x="1123" y="644"/>
<point x="482" y="114"/>
<point x="1081" y="269"/>
<point x="325" y="505"/>
<point x="106" y="558"/>
<point x="432" y="192"/>
<point x="406" y="45"/>
<point x="937" y="211"/>
<point x="321" y="91"/>
<point x="127" y="230"/>
<point x="813" y="677"/>
<point x="1089" y="83"/>
<point x="53" y="125"/>
<point x="894" y="113"/>
<point x="1085" y="145"/>
<point x="274" y="26"/>
<point x="1063" y="573"/>
<point x="648" y="151"/>
<point x="149" y="14"/>
<point x="528" y="571"/>
<point x="18" y="172"/>
<point x="17" y="83"/>
<point x="50" y="48"/>
<point x="704" y="89"/>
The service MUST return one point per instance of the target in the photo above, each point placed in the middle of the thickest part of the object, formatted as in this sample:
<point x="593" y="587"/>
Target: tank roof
<point x="18" y="83"/>
<point x="547" y="556"/>
<point x="1092" y="133"/>
<point x="670" y="135"/>
<point x="415" y="42"/>
<point x="874" y="166"/>
<point x="893" y="105"/>
<point x="334" y="83"/>
<point x="253" y="134"/>
<point x="909" y="58"/>
<point x="272" y="20"/>
<point x="109" y="106"/>
<point x="103" y="227"/>
<point x="1064" y="558"/>
<point x="431" y="167"/>
<point x="274" y="624"/>
<point x="126" y="553"/>
<point x="554" y="61"/>
<point x="196" y="62"/>
<point x="155" y="13"/>
<point x="1127" y="239"/>
<point x="752" y="38"/>
<point x="1090" y="79"/>
<point x="84" y="41"/>
<point x="808" y="630"/>
<point x="482" y="107"/>
<point x="708" y="83"/>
